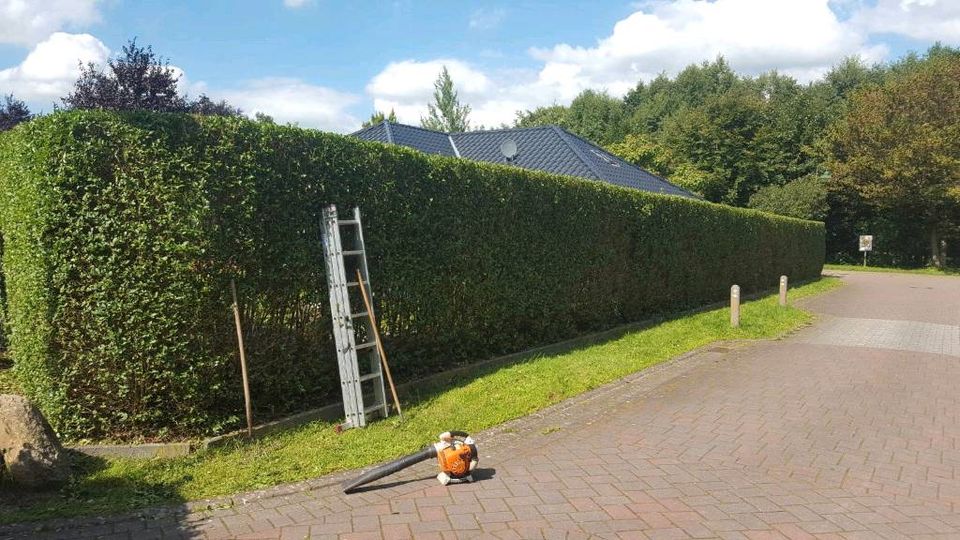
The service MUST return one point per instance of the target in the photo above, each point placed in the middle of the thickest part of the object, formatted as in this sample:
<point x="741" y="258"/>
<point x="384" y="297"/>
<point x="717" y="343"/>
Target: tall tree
<point x="446" y="113"/>
<point x="13" y="112"/>
<point x="898" y="146"/>
<point x="649" y="105"/>
<point x="596" y="116"/>
<point x="378" y="117"/>
<point x="138" y="80"/>
<point x="718" y="137"/>
<point x="542" y="116"/>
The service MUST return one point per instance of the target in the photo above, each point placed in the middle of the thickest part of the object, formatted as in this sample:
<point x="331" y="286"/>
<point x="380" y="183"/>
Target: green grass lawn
<point x="500" y="394"/>
<point x="927" y="271"/>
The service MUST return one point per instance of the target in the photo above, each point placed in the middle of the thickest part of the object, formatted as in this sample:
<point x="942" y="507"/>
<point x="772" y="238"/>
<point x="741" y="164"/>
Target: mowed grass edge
<point x="928" y="271"/>
<point x="103" y="486"/>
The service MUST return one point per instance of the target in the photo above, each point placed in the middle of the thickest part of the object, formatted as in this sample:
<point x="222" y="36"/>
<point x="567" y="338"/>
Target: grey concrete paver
<point x="847" y="429"/>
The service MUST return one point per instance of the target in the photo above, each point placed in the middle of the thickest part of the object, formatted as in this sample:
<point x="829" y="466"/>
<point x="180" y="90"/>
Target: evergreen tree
<point x="446" y="113"/>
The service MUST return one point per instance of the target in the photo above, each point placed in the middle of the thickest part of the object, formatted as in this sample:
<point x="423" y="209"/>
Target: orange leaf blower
<point x="456" y="453"/>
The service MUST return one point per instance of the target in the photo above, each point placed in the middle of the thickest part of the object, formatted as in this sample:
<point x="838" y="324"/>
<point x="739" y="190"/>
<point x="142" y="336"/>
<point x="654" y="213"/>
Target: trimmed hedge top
<point x="121" y="233"/>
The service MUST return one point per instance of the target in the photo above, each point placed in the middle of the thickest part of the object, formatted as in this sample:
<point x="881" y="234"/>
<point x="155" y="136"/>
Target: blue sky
<point x="328" y="64"/>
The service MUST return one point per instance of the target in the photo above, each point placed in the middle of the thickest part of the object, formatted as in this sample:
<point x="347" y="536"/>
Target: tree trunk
<point x="936" y="253"/>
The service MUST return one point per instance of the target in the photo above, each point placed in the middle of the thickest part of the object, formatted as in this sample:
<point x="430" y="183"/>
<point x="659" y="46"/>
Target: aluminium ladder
<point x="345" y="327"/>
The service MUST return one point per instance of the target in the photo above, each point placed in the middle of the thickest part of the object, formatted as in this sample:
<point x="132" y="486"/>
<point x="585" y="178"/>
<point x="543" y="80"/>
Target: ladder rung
<point x="372" y="408"/>
<point x="354" y="283"/>
<point x="348" y="222"/>
<point x="358" y="315"/>
<point x="353" y="252"/>
<point x="369" y="376"/>
<point x="362" y="346"/>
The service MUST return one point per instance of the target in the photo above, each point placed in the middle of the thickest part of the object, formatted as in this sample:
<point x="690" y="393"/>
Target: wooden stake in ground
<point x="243" y="359"/>
<point x="376" y="337"/>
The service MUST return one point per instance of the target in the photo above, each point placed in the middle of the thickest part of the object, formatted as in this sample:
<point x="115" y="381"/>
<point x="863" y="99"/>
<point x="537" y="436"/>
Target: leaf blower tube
<point x="456" y="454"/>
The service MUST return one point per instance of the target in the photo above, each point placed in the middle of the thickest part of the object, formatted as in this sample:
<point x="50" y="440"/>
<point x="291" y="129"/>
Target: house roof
<point x="545" y="148"/>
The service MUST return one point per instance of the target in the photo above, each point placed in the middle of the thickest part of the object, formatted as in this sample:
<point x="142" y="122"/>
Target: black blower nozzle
<point x="389" y="468"/>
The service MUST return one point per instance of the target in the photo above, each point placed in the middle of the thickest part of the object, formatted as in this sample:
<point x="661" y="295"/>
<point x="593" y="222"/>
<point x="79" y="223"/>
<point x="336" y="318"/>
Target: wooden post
<point x="376" y="337"/>
<point x="735" y="306"/>
<point x="783" y="290"/>
<point x="243" y="359"/>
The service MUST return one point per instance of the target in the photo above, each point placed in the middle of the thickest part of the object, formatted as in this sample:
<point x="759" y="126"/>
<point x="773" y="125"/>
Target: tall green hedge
<point x="121" y="234"/>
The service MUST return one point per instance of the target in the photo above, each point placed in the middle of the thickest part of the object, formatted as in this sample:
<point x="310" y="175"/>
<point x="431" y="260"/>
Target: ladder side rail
<point x="339" y="332"/>
<point x="376" y="363"/>
<point x="346" y="355"/>
<point x="350" y="352"/>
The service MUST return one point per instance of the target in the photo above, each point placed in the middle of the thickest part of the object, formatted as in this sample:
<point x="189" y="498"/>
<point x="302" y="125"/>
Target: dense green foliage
<point x="123" y="231"/>
<point x="898" y="147"/>
<point x="804" y="198"/>
<point x="728" y="136"/>
<point x="643" y="151"/>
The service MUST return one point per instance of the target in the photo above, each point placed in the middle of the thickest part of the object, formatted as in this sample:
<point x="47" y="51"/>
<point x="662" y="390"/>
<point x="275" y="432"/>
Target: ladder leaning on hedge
<point x="344" y="320"/>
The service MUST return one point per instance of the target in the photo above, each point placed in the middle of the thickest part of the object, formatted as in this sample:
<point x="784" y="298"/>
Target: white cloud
<point x="932" y="20"/>
<point x="753" y="35"/>
<point x="799" y="38"/>
<point x="486" y="19"/>
<point x="50" y="69"/>
<point x="294" y="4"/>
<point x="25" y="22"/>
<point x="293" y="100"/>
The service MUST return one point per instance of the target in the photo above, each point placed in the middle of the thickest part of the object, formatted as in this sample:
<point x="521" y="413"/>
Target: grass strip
<point x="929" y="270"/>
<point x="103" y="486"/>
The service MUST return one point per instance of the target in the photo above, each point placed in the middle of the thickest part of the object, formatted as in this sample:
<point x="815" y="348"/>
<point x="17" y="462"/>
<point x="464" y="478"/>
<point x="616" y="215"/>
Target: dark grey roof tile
<point x="546" y="148"/>
<point x="539" y="148"/>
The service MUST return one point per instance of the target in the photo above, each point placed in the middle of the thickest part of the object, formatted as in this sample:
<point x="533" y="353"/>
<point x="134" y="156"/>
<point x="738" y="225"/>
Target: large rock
<point x="28" y="446"/>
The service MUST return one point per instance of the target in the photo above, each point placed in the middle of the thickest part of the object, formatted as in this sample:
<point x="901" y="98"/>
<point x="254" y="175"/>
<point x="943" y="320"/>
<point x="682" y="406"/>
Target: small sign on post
<point x="735" y="306"/>
<point x="866" y="244"/>
<point x="783" y="290"/>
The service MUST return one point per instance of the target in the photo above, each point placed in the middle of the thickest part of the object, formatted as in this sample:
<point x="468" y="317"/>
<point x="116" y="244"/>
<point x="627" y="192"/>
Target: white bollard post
<point x="783" y="290"/>
<point x="735" y="306"/>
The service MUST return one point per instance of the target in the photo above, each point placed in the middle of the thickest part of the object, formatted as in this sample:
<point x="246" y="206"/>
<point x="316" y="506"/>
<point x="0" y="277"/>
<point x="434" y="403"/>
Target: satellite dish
<point x="508" y="148"/>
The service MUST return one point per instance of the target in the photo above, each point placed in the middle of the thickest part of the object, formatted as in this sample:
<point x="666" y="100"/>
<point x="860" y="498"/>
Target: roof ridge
<point x="456" y="151"/>
<point x="592" y="167"/>
<point x="386" y="129"/>
<point x="416" y="127"/>
<point x="503" y="130"/>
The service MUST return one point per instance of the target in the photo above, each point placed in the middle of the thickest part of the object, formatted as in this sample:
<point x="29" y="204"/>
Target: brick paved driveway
<point x="818" y="435"/>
